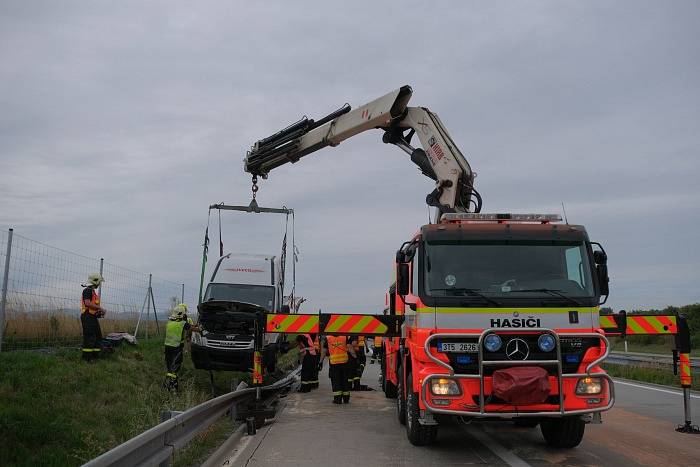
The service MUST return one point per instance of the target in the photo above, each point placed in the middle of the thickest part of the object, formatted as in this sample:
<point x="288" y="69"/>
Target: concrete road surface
<point x="310" y="431"/>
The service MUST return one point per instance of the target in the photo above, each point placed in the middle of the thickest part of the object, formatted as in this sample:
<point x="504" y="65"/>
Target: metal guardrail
<point x="645" y="360"/>
<point x="158" y="444"/>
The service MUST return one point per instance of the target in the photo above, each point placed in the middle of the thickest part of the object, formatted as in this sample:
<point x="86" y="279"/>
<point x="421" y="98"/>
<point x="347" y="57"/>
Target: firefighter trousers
<point x="361" y="363"/>
<point x="338" y="374"/>
<point x="309" y="366"/>
<point x="314" y="376"/>
<point x="352" y="372"/>
<point x="173" y="362"/>
<point x="92" y="335"/>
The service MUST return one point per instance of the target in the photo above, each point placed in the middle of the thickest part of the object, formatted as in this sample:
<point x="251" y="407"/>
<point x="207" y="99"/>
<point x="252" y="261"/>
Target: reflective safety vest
<point x="377" y="341"/>
<point x="95" y="300"/>
<point x="359" y="343"/>
<point x="175" y="333"/>
<point x="317" y="343"/>
<point x="337" y="349"/>
<point x="309" y="342"/>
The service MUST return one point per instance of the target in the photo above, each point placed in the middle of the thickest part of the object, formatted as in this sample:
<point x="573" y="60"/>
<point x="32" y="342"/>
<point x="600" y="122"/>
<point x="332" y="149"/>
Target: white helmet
<point x="95" y="279"/>
<point x="179" y="312"/>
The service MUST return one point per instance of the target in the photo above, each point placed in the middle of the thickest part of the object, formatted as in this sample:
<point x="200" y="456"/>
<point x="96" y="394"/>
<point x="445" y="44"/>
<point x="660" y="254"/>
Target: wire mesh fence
<point x="42" y="288"/>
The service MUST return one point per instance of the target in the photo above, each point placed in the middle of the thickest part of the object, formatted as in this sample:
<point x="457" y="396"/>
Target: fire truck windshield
<point x="508" y="269"/>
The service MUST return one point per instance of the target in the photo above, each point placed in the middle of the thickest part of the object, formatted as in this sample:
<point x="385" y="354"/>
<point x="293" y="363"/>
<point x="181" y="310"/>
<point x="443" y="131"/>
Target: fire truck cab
<point x="500" y="321"/>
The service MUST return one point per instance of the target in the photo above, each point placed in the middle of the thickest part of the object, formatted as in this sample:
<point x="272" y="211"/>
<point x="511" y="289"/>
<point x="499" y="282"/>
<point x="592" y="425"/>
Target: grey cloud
<point x="123" y="121"/>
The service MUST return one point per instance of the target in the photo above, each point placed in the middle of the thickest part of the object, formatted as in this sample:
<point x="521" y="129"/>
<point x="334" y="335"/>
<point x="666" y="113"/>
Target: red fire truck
<point x="500" y="311"/>
<point x="500" y="321"/>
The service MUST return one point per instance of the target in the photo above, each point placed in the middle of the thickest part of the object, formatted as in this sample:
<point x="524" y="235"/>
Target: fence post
<point x="102" y="265"/>
<point x="5" y="279"/>
<point x="182" y="295"/>
<point x="148" y="298"/>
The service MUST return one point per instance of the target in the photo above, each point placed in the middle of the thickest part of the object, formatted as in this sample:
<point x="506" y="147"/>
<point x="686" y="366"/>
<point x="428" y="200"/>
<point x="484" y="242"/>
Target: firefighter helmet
<point x="179" y="312"/>
<point x="95" y="279"/>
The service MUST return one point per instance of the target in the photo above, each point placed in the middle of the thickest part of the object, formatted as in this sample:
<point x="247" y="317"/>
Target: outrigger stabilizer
<point x="623" y="324"/>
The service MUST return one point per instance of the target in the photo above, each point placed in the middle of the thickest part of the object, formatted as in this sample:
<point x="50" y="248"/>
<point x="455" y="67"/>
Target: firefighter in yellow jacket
<point x="176" y="331"/>
<point x="90" y="311"/>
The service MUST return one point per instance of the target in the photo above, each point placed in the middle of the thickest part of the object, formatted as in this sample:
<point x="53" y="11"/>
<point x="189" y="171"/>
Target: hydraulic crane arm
<point x="439" y="158"/>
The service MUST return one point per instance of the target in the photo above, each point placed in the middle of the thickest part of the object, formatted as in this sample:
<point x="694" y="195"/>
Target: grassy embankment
<point x="56" y="410"/>
<point x="661" y="345"/>
<point x="648" y="375"/>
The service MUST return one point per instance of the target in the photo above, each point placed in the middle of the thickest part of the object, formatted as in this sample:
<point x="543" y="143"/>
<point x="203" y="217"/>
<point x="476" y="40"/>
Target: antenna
<point x="564" y="209"/>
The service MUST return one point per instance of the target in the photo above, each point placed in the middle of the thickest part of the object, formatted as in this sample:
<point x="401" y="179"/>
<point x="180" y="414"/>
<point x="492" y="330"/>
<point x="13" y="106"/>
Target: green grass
<point x="56" y="410"/>
<point x="661" y="345"/>
<point x="647" y="375"/>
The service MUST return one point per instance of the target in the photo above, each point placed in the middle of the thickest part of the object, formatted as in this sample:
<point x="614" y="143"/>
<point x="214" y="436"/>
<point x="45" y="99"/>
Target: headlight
<point x="546" y="342"/>
<point x="444" y="387"/>
<point x="196" y="338"/>
<point x="589" y="386"/>
<point x="493" y="342"/>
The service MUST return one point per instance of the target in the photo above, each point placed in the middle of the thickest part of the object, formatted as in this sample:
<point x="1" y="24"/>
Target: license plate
<point x="457" y="347"/>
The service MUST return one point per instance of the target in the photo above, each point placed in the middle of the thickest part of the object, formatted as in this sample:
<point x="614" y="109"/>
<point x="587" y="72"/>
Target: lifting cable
<point x="205" y="252"/>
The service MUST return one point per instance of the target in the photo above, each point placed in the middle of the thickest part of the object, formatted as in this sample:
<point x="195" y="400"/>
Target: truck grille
<point x="223" y="344"/>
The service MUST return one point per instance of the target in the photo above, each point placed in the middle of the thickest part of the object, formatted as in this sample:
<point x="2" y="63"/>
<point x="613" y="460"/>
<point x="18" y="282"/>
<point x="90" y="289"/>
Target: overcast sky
<point x="121" y="122"/>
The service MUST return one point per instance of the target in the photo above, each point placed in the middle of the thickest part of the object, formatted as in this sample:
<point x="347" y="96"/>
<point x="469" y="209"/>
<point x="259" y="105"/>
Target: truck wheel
<point x="400" y="400"/>
<point x="563" y="432"/>
<point x="389" y="387"/>
<point x="418" y="435"/>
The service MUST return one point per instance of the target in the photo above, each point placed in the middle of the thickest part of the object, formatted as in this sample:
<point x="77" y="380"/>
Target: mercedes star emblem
<point x="517" y="349"/>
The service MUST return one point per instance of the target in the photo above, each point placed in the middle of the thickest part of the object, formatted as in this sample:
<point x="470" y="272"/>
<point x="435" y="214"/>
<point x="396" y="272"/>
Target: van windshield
<point x="261" y="295"/>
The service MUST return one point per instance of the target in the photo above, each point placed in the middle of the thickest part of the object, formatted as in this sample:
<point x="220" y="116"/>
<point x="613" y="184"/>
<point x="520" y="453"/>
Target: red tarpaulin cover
<point x="521" y="385"/>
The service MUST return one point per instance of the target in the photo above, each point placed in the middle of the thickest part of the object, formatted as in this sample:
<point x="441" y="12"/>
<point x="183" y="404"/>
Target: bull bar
<point x="482" y="413"/>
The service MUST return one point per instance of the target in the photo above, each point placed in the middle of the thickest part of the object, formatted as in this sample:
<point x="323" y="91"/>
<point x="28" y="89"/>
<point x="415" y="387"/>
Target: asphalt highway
<point x="310" y="431"/>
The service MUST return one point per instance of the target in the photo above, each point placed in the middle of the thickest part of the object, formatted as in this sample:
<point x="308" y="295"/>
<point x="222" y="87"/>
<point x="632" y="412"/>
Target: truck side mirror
<point x="603" y="279"/>
<point x="402" y="278"/>
<point x="599" y="257"/>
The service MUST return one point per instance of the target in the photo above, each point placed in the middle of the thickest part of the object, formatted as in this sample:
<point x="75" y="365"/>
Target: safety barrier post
<point x="5" y="280"/>
<point x="682" y="352"/>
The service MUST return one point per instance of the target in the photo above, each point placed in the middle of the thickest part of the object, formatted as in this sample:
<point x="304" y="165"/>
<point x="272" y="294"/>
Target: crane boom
<point x="439" y="158"/>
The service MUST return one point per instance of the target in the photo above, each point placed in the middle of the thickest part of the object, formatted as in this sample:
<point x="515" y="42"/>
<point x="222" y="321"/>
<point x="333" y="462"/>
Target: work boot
<point x="337" y="400"/>
<point x="356" y="385"/>
<point x="346" y="399"/>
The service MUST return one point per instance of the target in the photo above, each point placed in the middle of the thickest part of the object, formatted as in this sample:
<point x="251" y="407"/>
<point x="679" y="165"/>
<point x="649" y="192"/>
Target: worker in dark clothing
<point x="353" y="363"/>
<point x="309" y="364"/>
<point x="317" y="347"/>
<point x="360" y="347"/>
<point x="339" y="352"/>
<point x="90" y="312"/>
<point x="176" y="332"/>
<point x="376" y="349"/>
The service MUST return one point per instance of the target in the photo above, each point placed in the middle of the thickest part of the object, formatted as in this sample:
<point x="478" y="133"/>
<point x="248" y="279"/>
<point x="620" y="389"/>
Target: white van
<point x="241" y="290"/>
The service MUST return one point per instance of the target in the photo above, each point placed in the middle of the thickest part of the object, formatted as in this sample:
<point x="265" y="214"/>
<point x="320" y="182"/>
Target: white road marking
<point x="651" y="388"/>
<point x="494" y="446"/>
